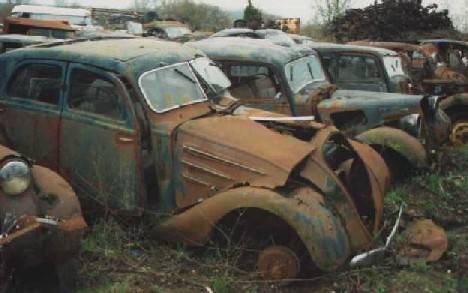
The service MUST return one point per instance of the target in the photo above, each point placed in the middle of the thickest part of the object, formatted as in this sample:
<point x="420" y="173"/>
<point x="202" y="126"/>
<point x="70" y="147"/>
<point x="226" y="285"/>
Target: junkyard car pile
<point x="302" y="144"/>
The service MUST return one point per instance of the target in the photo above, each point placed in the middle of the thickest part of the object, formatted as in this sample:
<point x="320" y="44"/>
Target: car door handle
<point x="122" y="138"/>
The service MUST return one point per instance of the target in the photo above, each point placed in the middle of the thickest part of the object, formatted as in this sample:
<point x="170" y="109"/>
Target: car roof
<point x="330" y="47"/>
<point x="118" y="55"/>
<point x="247" y="50"/>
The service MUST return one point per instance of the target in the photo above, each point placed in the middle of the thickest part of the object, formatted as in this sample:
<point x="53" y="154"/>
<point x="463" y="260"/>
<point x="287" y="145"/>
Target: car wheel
<point x="278" y="262"/>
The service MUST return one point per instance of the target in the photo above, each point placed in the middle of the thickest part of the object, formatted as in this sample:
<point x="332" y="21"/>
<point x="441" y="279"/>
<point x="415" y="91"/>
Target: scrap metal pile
<point x="391" y="20"/>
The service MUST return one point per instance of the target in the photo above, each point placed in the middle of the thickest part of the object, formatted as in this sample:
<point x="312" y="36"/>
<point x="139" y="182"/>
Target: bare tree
<point x="328" y="10"/>
<point x="144" y="5"/>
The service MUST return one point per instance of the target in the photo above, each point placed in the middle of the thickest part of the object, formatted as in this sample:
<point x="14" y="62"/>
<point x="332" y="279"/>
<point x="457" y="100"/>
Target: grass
<point x="117" y="260"/>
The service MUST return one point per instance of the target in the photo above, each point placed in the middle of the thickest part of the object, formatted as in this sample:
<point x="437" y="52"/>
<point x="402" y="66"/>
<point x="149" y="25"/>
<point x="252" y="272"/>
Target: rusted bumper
<point x="34" y="240"/>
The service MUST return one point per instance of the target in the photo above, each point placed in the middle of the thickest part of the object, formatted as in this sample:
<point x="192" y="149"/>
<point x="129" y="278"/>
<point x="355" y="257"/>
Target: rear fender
<point x="399" y="141"/>
<point x="319" y="229"/>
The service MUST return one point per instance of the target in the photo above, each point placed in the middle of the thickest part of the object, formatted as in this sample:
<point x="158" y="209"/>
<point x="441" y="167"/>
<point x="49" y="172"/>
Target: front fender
<point x="319" y="229"/>
<point x="399" y="141"/>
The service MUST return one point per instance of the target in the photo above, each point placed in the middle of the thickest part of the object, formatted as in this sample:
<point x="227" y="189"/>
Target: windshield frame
<point x="165" y="110"/>
<point x="205" y="80"/>
<point x="286" y="75"/>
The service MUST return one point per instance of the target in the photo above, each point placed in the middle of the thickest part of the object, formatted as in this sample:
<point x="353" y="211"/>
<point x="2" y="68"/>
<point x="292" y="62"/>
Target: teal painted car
<point x="148" y="128"/>
<point x="404" y="128"/>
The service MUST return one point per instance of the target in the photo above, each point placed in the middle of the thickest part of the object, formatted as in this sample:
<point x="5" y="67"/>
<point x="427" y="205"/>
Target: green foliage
<point x="198" y="16"/>
<point x="220" y="285"/>
<point x="252" y="15"/>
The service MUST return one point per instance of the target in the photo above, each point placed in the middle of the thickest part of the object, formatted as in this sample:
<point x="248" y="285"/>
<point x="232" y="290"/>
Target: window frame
<point x="384" y="77"/>
<point x="29" y="62"/>
<point x="110" y="77"/>
<point x="166" y="110"/>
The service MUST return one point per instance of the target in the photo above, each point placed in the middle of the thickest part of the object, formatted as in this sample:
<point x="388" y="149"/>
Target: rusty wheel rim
<point x="460" y="133"/>
<point x="278" y="263"/>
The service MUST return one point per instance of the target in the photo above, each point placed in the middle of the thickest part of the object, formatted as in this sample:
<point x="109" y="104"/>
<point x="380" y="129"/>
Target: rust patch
<point x="424" y="240"/>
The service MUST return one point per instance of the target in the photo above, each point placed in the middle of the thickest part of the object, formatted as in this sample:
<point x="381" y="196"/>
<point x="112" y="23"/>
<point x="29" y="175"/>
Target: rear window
<point x="37" y="82"/>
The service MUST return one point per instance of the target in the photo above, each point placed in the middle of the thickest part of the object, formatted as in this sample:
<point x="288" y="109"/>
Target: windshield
<point x="393" y="66"/>
<point x="171" y="87"/>
<point x="211" y="73"/>
<point x="303" y="71"/>
<point x="176" y="32"/>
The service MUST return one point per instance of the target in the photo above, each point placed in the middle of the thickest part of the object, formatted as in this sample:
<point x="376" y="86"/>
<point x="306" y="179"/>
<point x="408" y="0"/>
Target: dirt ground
<point x="118" y="260"/>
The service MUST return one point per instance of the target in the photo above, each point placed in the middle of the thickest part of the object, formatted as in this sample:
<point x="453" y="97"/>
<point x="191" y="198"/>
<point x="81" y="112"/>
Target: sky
<point x="287" y="8"/>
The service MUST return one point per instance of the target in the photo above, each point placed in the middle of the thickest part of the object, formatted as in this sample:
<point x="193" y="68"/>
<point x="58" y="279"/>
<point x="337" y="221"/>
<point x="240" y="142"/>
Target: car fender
<point x="399" y="141"/>
<point x="319" y="229"/>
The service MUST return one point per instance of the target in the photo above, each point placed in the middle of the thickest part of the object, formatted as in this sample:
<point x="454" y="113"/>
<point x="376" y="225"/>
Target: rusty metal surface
<point x="212" y="161"/>
<point x="424" y="240"/>
<point x="399" y="141"/>
<point x="278" y="263"/>
<point x="12" y="22"/>
<point x="320" y="230"/>
<point x="48" y="221"/>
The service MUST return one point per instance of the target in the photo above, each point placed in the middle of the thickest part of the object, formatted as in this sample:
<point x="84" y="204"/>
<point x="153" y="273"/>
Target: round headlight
<point x="15" y="177"/>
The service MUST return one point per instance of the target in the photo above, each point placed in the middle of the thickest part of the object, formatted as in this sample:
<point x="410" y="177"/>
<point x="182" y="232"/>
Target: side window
<point x="37" y="82"/>
<point x="253" y="81"/>
<point x="92" y="93"/>
<point x="356" y="68"/>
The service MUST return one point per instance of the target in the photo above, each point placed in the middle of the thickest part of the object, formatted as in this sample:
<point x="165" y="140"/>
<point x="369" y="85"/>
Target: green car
<point x="147" y="127"/>
<point x="406" y="129"/>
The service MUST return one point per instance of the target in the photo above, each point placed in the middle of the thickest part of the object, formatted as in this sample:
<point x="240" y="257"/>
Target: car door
<point x="257" y="86"/>
<point x="100" y="139"/>
<point x="30" y="110"/>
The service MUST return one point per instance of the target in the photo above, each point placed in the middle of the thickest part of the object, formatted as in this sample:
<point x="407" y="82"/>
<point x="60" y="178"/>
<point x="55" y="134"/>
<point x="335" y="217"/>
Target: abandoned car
<point x="426" y="78"/>
<point x="40" y="216"/>
<point x="279" y="79"/>
<point x="148" y="127"/>
<point x="364" y="68"/>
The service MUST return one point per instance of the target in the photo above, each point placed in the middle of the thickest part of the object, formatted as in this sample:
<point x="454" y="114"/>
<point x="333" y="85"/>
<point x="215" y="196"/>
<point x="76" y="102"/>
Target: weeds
<point x="125" y="260"/>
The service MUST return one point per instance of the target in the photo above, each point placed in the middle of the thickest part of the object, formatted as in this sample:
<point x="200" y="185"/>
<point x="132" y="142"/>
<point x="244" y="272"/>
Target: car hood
<point x="216" y="153"/>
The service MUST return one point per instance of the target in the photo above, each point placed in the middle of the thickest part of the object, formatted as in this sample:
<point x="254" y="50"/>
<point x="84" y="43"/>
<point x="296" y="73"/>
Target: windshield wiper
<point x="185" y="76"/>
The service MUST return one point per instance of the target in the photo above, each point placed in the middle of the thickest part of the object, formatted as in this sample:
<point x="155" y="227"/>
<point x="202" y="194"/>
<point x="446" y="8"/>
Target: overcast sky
<point x="288" y="8"/>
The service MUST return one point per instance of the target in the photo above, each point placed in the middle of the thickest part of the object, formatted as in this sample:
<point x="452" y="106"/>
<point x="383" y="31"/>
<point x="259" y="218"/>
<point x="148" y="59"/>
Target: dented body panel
<point x="198" y="160"/>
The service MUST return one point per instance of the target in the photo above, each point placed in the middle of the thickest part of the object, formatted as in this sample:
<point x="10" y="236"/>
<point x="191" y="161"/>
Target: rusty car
<point x="54" y="29"/>
<point x="40" y="220"/>
<point x="353" y="67"/>
<point x="430" y="75"/>
<point x="148" y="128"/>
<point x="289" y="81"/>
<point x="427" y="75"/>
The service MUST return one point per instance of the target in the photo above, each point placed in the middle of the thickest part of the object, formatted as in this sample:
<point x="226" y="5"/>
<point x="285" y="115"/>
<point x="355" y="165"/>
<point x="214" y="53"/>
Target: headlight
<point x="15" y="176"/>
